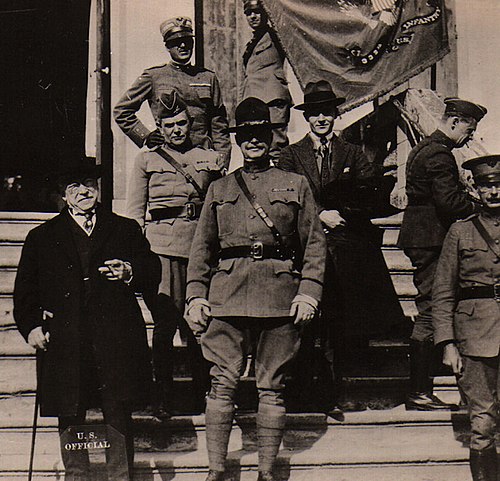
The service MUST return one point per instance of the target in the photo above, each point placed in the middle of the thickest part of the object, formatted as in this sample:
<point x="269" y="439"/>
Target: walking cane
<point x="40" y="358"/>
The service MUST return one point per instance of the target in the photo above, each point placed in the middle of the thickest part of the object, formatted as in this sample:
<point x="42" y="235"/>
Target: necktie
<point x="325" y="160"/>
<point x="88" y="224"/>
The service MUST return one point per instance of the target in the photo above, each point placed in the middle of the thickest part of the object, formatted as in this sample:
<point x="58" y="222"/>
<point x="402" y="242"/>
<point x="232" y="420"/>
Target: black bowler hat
<point x="319" y="93"/>
<point x="253" y="113"/>
<point x="465" y="108"/>
<point x="485" y="168"/>
<point x="77" y="172"/>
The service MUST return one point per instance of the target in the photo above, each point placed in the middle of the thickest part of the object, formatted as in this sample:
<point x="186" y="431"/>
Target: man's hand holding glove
<point x="198" y="313"/>
<point x="303" y="309"/>
<point x="154" y="139"/>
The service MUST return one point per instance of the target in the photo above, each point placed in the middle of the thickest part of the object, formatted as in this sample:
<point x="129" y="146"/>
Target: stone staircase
<point x="383" y="442"/>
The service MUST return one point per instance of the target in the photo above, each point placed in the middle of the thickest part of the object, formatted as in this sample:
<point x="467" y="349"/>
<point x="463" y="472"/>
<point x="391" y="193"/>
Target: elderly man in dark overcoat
<point x="466" y="315"/>
<point x="436" y="198"/>
<point x="359" y="300"/>
<point x="255" y="272"/>
<point x="75" y="302"/>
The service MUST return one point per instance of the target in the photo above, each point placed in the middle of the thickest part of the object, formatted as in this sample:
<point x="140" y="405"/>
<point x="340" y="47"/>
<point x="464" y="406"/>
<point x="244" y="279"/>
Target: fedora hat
<point x="253" y="113"/>
<point x="317" y="93"/>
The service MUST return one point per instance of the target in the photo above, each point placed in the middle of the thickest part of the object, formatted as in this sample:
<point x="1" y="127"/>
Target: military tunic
<point x="198" y="87"/>
<point x="155" y="184"/>
<point x="473" y="324"/>
<point x="436" y="198"/>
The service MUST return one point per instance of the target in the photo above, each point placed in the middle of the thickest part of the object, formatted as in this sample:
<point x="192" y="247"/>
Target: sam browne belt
<point x="190" y="210"/>
<point x="480" y="292"/>
<point x="257" y="251"/>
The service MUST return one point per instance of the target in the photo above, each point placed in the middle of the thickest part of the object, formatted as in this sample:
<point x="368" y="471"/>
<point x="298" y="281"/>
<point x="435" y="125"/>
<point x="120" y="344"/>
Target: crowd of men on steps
<point x="265" y="260"/>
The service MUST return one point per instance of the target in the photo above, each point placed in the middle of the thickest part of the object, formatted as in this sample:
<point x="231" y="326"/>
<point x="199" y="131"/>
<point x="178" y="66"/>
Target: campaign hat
<point x="456" y="106"/>
<point x="176" y="27"/>
<point x="485" y="168"/>
<point x="253" y="113"/>
<point x="318" y="93"/>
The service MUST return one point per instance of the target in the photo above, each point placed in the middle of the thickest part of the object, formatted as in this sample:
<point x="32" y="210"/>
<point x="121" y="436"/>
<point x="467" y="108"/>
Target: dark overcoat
<point x="358" y="288"/>
<point x="50" y="279"/>
<point x="436" y="197"/>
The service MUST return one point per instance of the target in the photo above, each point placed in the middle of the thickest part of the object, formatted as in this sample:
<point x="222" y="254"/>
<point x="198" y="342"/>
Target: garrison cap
<point x="170" y="104"/>
<point x="249" y="5"/>
<point x="485" y="168"/>
<point x="465" y="108"/>
<point x="177" y="27"/>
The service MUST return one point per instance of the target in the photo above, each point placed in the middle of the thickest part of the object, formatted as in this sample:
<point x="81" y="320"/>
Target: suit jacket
<point x="465" y="261"/>
<point x="155" y="184"/>
<point x="436" y="198"/>
<point x="198" y="87"/>
<point x="264" y="75"/>
<point x="244" y="286"/>
<point x="50" y="279"/>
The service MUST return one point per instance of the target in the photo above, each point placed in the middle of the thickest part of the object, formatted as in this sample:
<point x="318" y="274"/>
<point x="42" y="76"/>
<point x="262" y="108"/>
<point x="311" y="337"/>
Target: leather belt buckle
<point x="496" y="292"/>
<point x="190" y="210"/>
<point x="257" y="250"/>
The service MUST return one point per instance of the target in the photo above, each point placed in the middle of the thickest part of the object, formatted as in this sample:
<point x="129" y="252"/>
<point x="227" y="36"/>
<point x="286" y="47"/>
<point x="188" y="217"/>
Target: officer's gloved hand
<point x="303" y="309"/>
<point x="154" y="139"/>
<point x="197" y="315"/>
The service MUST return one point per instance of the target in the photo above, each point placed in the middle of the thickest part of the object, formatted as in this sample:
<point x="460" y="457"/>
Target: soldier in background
<point x="465" y="312"/>
<point x="198" y="87"/>
<point x="170" y="182"/>
<point x="264" y="75"/>
<point x="436" y="198"/>
<point x="255" y="272"/>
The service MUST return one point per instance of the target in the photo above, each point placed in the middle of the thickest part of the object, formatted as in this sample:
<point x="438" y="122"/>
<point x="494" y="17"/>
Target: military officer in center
<point x="466" y="312"/>
<point x="198" y="87"/>
<point x="170" y="182"/>
<point x="255" y="271"/>
<point x="436" y="198"/>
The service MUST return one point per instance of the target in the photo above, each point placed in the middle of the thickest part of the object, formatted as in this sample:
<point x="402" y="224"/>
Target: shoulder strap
<point x="258" y="208"/>
<point x="179" y="169"/>
<point x="486" y="236"/>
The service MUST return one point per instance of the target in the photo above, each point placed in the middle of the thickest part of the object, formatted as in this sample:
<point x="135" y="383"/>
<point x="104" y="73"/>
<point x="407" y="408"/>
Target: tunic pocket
<point x="226" y="212"/>
<point x="285" y="205"/>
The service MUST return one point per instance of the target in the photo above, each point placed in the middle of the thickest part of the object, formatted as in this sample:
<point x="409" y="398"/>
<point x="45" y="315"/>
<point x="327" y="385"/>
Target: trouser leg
<point x="76" y="462"/>
<point x="278" y="344"/>
<point x="480" y="382"/>
<point x="223" y="345"/>
<point x="120" y="455"/>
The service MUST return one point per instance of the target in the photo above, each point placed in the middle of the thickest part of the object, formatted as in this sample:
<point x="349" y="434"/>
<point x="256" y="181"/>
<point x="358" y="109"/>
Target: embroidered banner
<point x="364" y="48"/>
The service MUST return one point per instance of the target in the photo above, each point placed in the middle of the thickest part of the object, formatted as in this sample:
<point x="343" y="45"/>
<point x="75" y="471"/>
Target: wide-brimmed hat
<point x="253" y="113"/>
<point x="319" y="93"/>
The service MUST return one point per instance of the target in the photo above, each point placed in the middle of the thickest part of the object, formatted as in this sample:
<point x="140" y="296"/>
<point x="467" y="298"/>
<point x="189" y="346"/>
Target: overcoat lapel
<point x="338" y="158"/>
<point x="64" y="238"/>
<point x="305" y="153"/>
<point x="102" y="230"/>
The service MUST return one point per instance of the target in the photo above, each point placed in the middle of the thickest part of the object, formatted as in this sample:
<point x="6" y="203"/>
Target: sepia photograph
<point x="240" y="240"/>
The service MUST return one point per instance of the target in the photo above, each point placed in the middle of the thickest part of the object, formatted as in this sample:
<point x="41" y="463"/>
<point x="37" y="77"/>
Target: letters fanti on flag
<point x="364" y="48"/>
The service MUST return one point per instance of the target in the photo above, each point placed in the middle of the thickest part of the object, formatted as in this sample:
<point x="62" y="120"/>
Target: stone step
<point x="396" y="261"/>
<point x="155" y="468"/>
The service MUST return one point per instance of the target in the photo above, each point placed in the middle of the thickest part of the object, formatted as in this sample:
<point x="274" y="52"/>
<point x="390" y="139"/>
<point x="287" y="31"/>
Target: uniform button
<point x="70" y="266"/>
<point x="496" y="260"/>
<point x="496" y="223"/>
<point x="251" y="216"/>
<point x="67" y="295"/>
<point x="184" y="165"/>
<point x="253" y="177"/>
<point x="253" y="236"/>
<point x="497" y="241"/>
<point x="254" y="196"/>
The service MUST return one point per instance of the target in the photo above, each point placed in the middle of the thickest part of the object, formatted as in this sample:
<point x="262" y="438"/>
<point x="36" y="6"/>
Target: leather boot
<point x="483" y="464"/>
<point x="215" y="475"/>
<point x="421" y="397"/>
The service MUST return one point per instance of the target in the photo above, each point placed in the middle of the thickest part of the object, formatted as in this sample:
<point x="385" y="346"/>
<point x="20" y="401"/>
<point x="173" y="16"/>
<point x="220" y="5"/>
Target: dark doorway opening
<point x="43" y="90"/>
